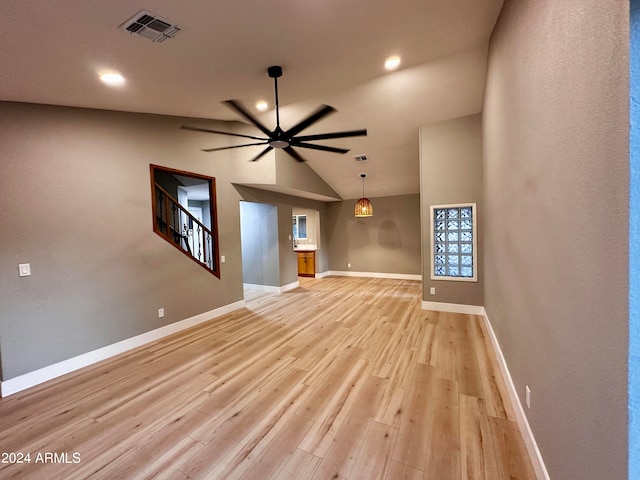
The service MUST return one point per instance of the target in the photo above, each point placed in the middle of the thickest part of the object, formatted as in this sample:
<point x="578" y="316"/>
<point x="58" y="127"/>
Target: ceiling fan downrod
<point x="275" y="72"/>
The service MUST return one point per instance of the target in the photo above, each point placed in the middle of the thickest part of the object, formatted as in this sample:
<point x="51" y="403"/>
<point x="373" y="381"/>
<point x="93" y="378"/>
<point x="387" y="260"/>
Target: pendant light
<point x="363" y="206"/>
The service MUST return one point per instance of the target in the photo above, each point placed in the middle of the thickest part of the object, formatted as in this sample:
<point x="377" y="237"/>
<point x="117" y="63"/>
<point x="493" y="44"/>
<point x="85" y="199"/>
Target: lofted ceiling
<point x="332" y="52"/>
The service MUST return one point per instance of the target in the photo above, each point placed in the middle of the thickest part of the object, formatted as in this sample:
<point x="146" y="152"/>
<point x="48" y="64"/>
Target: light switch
<point x="223" y="259"/>
<point x="24" y="269"/>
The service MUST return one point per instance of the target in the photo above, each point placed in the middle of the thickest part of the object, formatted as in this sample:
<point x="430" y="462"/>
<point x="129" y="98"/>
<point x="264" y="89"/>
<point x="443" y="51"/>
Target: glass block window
<point x="454" y="242"/>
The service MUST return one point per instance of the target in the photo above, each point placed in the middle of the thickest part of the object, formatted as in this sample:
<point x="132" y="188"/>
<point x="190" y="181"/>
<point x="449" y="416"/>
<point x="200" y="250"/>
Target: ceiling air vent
<point x="360" y="158"/>
<point x="150" y="26"/>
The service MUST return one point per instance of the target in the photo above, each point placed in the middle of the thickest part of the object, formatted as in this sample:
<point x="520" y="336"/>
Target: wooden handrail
<point x="169" y="197"/>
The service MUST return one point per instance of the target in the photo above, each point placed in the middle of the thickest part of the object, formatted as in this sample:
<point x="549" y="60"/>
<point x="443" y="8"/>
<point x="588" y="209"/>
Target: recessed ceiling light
<point x="262" y="105"/>
<point x="113" y="79"/>
<point x="392" y="63"/>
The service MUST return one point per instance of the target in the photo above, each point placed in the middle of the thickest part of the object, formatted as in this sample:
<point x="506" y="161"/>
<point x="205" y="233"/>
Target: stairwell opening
<point x="185" y="214"/>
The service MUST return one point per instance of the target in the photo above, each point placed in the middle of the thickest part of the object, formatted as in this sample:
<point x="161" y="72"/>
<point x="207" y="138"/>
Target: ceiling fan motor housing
<point x="279" y="139"/>
<point x="279" y="143"/>
<point x="275" y="71"/>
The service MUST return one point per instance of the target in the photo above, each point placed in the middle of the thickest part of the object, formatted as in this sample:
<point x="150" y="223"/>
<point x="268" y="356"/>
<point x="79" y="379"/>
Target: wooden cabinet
<point x="307" y="264"/>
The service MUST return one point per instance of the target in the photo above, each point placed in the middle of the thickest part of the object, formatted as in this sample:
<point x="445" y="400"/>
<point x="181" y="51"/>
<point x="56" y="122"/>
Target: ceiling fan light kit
<point x="279" y="138"/>
<point x="364" y="207"/>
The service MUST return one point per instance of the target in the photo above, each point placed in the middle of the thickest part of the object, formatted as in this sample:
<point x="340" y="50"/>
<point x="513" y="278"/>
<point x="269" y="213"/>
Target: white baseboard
<point x="397" y="276"/>
<point x="452" y="307"/>
<point x="529" y="440"/>
<point x="261" y="288"/>
<point x="271" y="288"/>
<point x="291" y="286"/>
<point x="322" y="274"/>
<point x="31" y="379"/>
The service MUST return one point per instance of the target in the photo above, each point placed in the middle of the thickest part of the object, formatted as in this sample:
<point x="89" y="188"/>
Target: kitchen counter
<point x="305" y="248"/>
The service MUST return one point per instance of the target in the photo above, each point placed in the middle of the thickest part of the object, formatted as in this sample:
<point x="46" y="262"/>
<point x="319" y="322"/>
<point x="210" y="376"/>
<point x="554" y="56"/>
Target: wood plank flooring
<point x="341" y="378"/>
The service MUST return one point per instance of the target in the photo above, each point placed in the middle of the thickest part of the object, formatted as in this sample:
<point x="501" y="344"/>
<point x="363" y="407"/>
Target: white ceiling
<point x="332" y="52"/>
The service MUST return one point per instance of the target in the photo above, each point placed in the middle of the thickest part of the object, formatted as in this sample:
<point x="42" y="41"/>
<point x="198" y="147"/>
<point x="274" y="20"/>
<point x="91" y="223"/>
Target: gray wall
<point x="168" y="182"/>
<point x="451" y="173"/>
<point x="259" y="236"/>
<point x="288" y="257"/>
<point x="299" y="176"/>
<point x="387" y="242"/>
<point x="100" y="279"/>
<point x="97" y="279"/>
<point x="555" y="221"/>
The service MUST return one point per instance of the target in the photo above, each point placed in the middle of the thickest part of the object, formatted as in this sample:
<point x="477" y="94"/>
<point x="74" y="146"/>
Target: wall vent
<point x="360" y="158"/>
<point x="150" y="26"/>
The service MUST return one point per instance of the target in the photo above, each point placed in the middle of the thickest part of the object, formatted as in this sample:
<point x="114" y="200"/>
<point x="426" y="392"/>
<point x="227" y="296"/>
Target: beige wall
<point x="387" y="242"/>
<point x="555" y="224"/>
<point x="451" y="173"/>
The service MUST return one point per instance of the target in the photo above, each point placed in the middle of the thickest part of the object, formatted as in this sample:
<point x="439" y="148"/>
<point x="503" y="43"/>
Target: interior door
<point x="196" y="238"/>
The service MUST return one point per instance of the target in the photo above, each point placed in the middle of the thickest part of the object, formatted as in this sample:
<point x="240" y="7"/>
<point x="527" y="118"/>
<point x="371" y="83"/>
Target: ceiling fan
<point x="279" y="138"/>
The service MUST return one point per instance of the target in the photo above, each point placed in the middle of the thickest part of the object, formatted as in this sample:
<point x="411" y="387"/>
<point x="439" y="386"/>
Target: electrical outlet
<point x="527" y="396"/>
<point x="348" y="265"/>
<point x="432" y="290"/>
<point x="160" y="312"/>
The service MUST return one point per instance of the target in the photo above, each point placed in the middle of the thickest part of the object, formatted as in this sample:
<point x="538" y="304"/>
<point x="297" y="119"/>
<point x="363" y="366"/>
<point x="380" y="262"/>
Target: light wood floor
<point x="342" y="378"/>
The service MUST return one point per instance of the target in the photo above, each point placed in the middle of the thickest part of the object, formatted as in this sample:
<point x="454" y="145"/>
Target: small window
<point x="300" y="227"/>
<point x="454" y="242"/>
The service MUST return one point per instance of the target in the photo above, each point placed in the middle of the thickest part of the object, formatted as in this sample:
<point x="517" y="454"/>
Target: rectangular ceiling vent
<point x="360" y="158"/>
<point x="150" y="26"/>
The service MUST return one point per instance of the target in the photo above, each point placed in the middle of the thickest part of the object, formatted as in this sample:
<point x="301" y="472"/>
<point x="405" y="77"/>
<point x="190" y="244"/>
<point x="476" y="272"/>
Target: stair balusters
<point x="177" y="226"/>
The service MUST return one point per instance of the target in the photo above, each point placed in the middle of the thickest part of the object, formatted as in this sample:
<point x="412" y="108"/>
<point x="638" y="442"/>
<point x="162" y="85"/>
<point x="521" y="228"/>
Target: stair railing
<point x="180" y="228"/>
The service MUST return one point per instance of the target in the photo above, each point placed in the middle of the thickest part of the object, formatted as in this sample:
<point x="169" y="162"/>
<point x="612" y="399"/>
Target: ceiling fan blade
<point x="323" y="111"/>
<point x="294" y="154"/>
<point x="237" y="106"/>
<point x="233" y="146"/>
<point x="262" y="153"/>
<point x="324" y="148"/>
<point x="325" y="136"/>
<point x="207" y="130"/>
